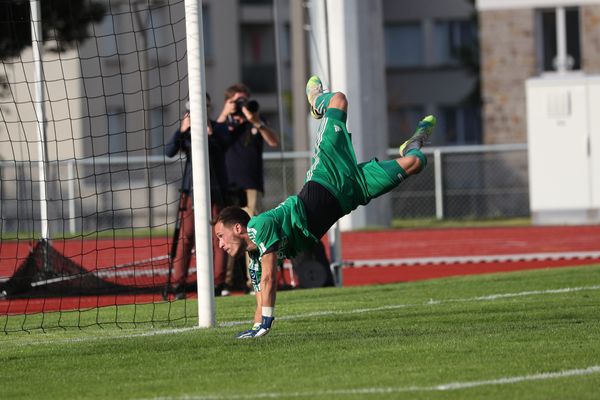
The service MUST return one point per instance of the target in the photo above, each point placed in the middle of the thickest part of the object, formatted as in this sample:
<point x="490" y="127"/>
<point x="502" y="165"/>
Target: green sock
<point x="417" y="153"/>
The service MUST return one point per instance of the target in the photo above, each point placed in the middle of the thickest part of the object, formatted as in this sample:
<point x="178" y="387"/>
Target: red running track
<point x="356" y="246"/>
<point x="451" y="242"/>
<point x="457" y="242"/>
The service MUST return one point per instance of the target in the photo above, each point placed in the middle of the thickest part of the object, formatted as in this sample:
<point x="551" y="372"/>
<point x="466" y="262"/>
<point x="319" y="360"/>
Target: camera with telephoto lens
<point x="251" y="105"/>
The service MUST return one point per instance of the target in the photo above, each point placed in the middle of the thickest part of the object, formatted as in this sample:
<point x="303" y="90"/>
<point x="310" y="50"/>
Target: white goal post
<point x="197" y="91"/>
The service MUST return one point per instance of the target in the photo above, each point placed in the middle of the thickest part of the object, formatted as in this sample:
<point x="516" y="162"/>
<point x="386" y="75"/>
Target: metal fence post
<point x="71" y="194"/>
<point x="439" y="190"/>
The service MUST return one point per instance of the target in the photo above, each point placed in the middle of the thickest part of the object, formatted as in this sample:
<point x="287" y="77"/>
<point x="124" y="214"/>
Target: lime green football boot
<point x="420" y="137"/>
<point x="314" y="88"/>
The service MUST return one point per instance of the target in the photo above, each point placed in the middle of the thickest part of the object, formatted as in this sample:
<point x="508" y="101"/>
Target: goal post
<point x="36" y="46"/>
<point x="198" y="120"/>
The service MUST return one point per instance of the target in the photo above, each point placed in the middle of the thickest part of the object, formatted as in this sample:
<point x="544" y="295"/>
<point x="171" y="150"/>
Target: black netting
<point x="46" y="272"/>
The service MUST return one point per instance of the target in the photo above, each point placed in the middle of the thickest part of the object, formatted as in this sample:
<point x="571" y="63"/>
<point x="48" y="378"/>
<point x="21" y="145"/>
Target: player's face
<point x="230" y="238"/>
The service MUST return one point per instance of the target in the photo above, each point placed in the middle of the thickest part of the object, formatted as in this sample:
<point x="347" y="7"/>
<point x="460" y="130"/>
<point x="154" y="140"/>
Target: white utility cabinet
<point x="563" y="129"/>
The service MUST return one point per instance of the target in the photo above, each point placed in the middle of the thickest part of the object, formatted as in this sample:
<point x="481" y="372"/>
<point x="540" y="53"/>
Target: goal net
<point x="88" y="199"/>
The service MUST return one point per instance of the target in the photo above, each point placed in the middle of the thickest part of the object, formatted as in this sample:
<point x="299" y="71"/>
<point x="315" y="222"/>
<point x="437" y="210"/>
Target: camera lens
<point x="252" y="106"/>
<point x="239" y="103"/>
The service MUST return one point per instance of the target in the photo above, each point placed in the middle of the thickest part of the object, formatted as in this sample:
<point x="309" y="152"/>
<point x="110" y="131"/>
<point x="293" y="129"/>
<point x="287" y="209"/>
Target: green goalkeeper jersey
<point x="334" y="164"/>
<point x="286" y="226"/>
<point x="333" y="167"/>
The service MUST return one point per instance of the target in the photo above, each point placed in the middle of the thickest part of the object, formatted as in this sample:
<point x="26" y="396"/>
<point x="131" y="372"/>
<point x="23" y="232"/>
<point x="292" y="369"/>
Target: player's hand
<point x="265" y="326"/>
<point x="257" y="330"/>
<point x="249" y="333"/>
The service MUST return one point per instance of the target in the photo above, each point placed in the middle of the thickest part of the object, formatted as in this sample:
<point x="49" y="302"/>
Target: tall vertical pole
<point x="355" y="28"/>
<point x="145" y="71"/>
<point x="319" y="35"/>
<point x="321" y="65"/>
<point x="279" y="66"/>
<point x="561" y="41"/>
<point x="36" y="46"/>
<point x="439" y="184"/>
<point x="71" y="193"/>
<point x="299" y="77"/>
<point x="197" y="90"/>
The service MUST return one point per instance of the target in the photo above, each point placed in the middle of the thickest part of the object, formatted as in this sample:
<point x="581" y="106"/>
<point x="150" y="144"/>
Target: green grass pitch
<point x="522" y="335"/>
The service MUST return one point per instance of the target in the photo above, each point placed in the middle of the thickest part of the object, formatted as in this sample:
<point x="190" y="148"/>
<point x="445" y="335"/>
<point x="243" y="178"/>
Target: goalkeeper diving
<point x="335" y="185"/>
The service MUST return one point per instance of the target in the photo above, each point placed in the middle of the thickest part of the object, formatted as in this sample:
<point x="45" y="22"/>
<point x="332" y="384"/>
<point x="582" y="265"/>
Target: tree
<point x="64" y="22"/>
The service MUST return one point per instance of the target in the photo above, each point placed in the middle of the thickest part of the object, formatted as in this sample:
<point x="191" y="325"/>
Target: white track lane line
<point x="595" y="369"/>
<point x="476" y="259"/>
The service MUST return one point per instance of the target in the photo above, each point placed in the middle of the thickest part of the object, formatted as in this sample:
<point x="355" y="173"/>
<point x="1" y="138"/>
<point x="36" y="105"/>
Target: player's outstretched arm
<point x="268" y="292"/>
<point x="265" y="298"/>
<point x="268" y="279"/>
<point x="257" y="319"/>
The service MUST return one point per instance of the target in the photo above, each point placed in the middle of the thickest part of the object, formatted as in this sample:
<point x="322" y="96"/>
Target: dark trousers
<point x="183" y="256"/>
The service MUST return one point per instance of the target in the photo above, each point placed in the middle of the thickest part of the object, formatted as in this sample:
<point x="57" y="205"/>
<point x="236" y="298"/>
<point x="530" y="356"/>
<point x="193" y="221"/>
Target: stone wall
<point x="590" y="39"/>
<point x="508" y="58"/>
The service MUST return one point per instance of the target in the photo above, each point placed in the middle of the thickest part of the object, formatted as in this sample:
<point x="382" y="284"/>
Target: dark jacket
<point x="218" y="143"/>
<point x="244" y="159"/>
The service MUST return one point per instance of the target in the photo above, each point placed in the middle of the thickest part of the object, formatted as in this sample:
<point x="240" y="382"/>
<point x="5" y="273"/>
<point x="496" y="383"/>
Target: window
<point x="206" y="32"/>
<point x="559" y="40"/>
<point x="258" y="58"/>
<point x="116" y="131"/>
<point x="452" y="37"/>
<point x="403" y="45"/>
<point x="458" y="125"/>
<point x="402" y="123"/>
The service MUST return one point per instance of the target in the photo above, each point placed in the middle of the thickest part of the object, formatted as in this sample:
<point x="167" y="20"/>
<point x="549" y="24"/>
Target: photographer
<point x="219" y="139"/>
<point x="244" y="159"/>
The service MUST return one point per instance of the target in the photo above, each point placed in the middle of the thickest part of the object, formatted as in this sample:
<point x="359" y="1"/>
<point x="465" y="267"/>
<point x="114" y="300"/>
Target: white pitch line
<point x="111" y="337"/>
<point x="325" y="313"/>
<point x="490" y="297"/>
<point x="400" y="389"/>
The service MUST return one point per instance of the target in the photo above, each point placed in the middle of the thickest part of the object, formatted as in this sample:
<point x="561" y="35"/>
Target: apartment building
<point x="131" y="73"/>
<point x="431" y="60"/>
<point x="519" y="39"/>
<point x="121" y="93"/>
<point x="428" y="47"/>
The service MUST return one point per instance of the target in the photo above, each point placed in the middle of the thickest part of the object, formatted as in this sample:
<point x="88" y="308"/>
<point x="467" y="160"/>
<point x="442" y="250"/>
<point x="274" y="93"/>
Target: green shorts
<point x="335" y="167"/>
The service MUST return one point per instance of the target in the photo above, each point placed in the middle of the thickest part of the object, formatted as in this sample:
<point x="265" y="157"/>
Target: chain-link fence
<point x="116" y="193"/>
<point x="487" y="181"/>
